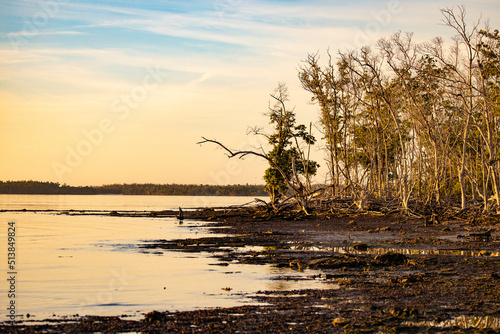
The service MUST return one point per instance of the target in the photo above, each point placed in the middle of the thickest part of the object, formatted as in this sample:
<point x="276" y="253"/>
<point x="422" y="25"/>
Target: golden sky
<point x="109" y="91"/>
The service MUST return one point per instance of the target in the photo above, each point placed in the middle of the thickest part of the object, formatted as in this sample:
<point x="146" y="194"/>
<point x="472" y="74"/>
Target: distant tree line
<point x="51" y="188"/>
<point x="47" y="188"/>
<point x="183" y="189"/>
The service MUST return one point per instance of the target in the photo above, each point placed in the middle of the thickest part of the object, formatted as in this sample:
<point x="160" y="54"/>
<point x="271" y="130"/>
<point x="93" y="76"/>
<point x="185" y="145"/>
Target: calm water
<point x="92" y="265"/>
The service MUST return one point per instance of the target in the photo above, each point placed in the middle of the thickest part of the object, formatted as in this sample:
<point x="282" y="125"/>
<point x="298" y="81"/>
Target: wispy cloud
<point x="43" y="33"/>
<point x="204" y="77"/>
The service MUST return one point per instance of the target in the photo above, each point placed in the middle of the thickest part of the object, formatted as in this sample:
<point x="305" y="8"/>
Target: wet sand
<point x="391" y="274"/>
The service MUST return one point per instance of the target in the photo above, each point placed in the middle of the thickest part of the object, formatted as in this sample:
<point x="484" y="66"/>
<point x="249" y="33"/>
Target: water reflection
<point x="405" y="251"/>
<point x="91" y="265"/>
<point x="484" y="322"/>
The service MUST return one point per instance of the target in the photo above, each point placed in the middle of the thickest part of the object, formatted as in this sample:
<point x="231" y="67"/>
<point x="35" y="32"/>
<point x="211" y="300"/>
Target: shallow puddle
<point x="485" y="322"/>
<point x="405" y="251"/>
<point x="409" y="251"/>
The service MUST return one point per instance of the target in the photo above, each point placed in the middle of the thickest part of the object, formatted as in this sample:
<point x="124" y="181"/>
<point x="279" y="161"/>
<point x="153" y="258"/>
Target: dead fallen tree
<point x="301" y="193"/>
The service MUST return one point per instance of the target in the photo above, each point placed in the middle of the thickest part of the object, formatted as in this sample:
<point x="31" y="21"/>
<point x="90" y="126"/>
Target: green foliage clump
<point x="286" y="158"/>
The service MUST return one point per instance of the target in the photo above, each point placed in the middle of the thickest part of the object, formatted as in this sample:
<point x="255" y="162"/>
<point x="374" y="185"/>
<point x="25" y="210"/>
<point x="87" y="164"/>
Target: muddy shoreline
<point x="392" y="274"/>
